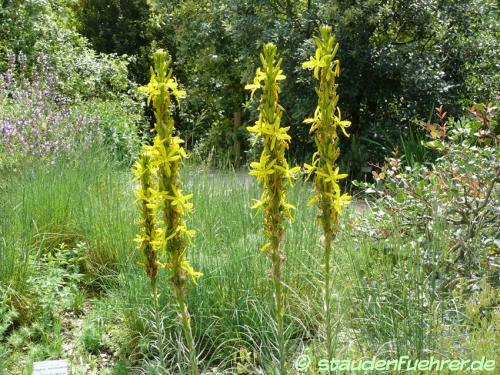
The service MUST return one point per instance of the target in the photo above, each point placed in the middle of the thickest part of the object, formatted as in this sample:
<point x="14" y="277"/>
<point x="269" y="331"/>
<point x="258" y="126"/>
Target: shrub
<point x="457" y="192"/>
<point x="118" y="124"/>
<point x="36" y="121"/>
<point x="46" y="29"/>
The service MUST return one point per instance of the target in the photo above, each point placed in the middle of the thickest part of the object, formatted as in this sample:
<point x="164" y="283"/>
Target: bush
<point x="119" y="124"/>
<point x="37" y="121"/>
<point x="425" y="261"/>
<point x="454" y="200"/>
<point x="38" y="29"/>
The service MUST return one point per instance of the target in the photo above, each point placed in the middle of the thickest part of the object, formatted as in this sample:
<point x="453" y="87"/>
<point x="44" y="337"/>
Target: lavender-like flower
<point x="35" y="120"/>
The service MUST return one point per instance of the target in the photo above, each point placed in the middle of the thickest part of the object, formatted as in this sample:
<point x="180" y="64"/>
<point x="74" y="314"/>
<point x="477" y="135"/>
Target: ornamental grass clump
<point x="166" y="238"/>
<point x="273" y="172"/>
<point x="325" y="125"/>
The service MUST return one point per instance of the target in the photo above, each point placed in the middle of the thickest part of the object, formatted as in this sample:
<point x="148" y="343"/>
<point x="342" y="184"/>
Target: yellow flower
<point x="190" y="271"/>
<point x="257" y="128"/>
<point x="340" y="200"/>
<point x="262" y="168"/>
<point x="315" y="63"/>
<point x="276" y="131"/>
<point x="342" y="123"/>
<point x="331" y="175"/>
<point x="259" y="77"/>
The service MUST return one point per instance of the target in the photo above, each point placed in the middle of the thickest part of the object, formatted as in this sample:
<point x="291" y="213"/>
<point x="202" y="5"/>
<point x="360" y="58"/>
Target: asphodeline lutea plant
<point x="170" y="236"/>
<point x="273" y="172"/>
<point x="143" y="173"/>
<point x="325" y="125"/>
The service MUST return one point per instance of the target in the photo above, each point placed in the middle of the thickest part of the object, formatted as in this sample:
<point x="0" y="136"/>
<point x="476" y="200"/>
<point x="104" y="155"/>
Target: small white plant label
<point x="59" y="367"/>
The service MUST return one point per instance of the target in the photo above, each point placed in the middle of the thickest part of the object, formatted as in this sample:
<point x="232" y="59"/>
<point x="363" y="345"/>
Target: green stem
<point x="156" y="301"/>
<point x="328" y="319"/>
<point x="188" y="334"/>
<point x="279" y="319"/>
<point x="280" y="308"/>
<point x="276" y="219"/>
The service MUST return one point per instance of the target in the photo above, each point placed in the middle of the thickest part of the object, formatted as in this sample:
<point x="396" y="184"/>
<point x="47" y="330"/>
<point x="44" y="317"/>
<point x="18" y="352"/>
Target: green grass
<point x="384" y="302"/>
<point x="230" y="307"/>
<point x="87" y="199"/>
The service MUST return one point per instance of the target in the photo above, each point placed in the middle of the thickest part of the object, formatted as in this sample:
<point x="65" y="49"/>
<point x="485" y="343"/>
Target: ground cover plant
<point x="100" y="198"/>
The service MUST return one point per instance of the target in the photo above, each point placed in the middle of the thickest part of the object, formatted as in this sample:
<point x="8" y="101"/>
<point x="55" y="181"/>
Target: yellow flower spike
<point x="145" y="195"/>
<point x="273" y="172"/>
<point x="327" y="118"/>
<point x="170" y="235"/>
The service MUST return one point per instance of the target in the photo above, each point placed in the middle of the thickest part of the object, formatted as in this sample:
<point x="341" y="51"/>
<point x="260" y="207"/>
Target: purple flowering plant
<point x="36" y="121"/>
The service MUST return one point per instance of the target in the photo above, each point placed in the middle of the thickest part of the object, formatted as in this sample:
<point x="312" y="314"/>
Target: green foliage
<point x="118" y="124"/>
<point x="46" y="213"/>
<point x="230" y="309"/>
<point x="404" y="57"/>
<point x="400" y="58"/>
<point x="388" y="304"/>
<point x="457" y="192"/>
<point x="113" y="26"/>
<point x="44" y="206"/>
<point x="41" y="29"/>
<point x="118" y="27"/>
<point x="216" y="147"/>
<point x="91" y="338"/>
<point x="384" y="303"/>
<point x="52" y="290"/>
<point x="80" y="71"/>
<point x="417" y="274"/>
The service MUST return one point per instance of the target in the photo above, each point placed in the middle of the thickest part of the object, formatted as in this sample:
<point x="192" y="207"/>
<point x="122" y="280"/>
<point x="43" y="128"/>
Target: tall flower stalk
<point x="273" y="172"/>
<point x="325" y="125"/>
<point x="170" y="235"/>
<point x="143" y="172"/>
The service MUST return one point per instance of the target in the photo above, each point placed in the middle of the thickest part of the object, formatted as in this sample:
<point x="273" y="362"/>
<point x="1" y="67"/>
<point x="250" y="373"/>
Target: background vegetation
<point x="416" y="259"/>
<point x="399" y="60"/>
